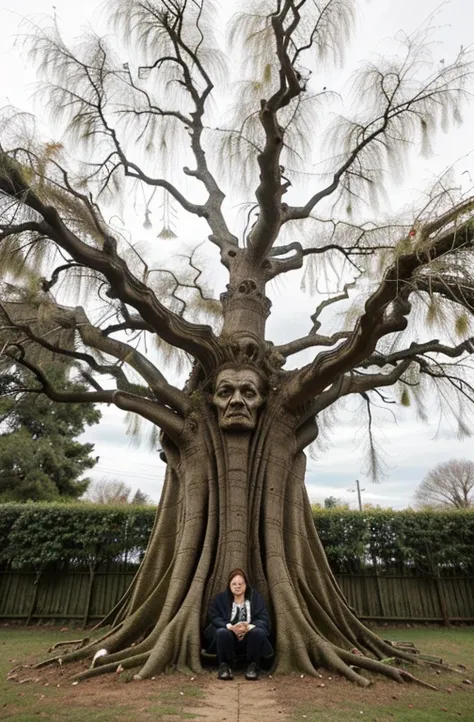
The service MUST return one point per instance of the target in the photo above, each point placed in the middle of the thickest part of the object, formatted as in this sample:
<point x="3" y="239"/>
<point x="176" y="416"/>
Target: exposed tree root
<point x="135" y="661"/>
<point x="13" y="672"/>
<point x="442" y="666"/>
<point x="80" y="642"/>
<point x="410" y="678"/>
<point x="49" y="661"/>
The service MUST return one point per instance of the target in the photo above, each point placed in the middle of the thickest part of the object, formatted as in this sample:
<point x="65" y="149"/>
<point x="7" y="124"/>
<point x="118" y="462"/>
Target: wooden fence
<point x="410" y="598"/>
<point x="85" y="596"/>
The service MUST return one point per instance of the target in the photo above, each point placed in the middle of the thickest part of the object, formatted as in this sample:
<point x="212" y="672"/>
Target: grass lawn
<point x="106" y="699"/>
<point x="49" y="694"/>
<point x="389" y="702"/>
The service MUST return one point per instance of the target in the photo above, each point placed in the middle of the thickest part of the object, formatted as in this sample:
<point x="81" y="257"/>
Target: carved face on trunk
<point x="238" y="397"/>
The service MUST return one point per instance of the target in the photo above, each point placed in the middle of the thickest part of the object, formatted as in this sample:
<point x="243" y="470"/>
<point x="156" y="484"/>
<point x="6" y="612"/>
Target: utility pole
<point x="359" y="497"/>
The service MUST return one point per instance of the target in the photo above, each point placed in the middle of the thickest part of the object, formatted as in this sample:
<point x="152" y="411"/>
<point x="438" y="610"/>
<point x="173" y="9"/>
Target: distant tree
<point x="448" y="484"/>
<point x="108" y="491"/>
<point x="140" y="498"/>
<point x="40" y="457"/>
<point x="331" y="502"/>
<point x="114" y="491"/>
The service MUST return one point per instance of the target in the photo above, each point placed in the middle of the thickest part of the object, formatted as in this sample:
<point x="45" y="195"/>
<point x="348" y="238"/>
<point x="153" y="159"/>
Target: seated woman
<point x="239" y="624"/>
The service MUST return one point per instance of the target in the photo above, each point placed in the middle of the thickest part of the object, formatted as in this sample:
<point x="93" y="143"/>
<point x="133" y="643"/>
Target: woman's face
<point x="238" y="585"/>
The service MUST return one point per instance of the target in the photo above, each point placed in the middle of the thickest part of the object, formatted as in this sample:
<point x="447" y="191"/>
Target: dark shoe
<point x="251" y="671"/>
<point x="224" y="672"/>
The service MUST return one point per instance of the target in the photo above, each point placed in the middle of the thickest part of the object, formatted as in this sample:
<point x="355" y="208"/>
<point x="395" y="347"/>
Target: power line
<point x="122" y="472"/>
<point x="139" y="463"/>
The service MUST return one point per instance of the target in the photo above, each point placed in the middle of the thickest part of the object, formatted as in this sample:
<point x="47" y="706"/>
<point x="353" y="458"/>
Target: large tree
<point x="235" y="435"/>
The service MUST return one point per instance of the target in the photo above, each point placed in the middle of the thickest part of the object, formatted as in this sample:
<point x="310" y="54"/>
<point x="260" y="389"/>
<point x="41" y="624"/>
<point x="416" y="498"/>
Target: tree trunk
<point x="234" y="496"/>
<point x="237" y="499"/>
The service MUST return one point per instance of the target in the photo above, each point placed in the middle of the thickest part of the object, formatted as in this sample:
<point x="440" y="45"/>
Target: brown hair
<point x="235" y="573"/>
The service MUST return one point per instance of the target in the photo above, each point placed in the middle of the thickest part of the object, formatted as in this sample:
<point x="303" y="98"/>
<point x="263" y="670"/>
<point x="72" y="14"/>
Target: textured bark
<point x="236" y="499"/>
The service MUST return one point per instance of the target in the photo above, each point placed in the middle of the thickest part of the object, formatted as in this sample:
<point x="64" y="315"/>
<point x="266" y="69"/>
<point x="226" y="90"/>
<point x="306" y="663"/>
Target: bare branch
<point x="419" y="349"/>
<point x="132" y="323"/>
<point x="355" y="384"/>
<point x="405" y="106"/>
<point x="362" y="382"/>
<point x="93" y="337"/>
<point x="451" y="216"/>
<point x="329" y="302"/>
<point x="110" y="370"/>
<point x="278" y="266"/>
<point x="89" y="98"/>
<point x="310" y="341"/>
<point x="385" y="312"/>
<point x="197" y="340"/>
<point x="221" y="235"/>
<point x="271" y="188"/>
<point x="437" y="371"/>
<point x="170" y="422"/>
<point x="186" y="58"/>
<point x="450" y="287"/>
<point x="47" y="285"/>
<point x="16" y="229"/>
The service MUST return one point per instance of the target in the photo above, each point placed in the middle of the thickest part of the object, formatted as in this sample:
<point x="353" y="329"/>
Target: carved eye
<point x="225" y="392"/>
<point x="249" y="393"/>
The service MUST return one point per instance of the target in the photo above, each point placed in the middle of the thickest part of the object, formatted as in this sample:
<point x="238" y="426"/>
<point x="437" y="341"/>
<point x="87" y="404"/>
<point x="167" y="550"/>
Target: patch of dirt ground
<point x="201" y="696"/>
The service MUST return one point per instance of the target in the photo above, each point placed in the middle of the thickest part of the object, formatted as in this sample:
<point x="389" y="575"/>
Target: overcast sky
<point x="410" y="448"/>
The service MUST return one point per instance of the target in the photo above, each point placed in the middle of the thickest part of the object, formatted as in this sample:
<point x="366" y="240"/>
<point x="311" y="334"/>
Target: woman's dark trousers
<point x="228" y="646"/>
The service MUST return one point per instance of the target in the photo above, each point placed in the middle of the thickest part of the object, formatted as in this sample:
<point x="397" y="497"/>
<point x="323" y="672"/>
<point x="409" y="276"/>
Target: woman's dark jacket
<point x="220" y="610"/>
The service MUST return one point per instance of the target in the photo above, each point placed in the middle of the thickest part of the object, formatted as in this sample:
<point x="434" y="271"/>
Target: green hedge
<point x="39" y="535"/>
<point x="398" y="541"/>
<point x="36" y="534"/>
